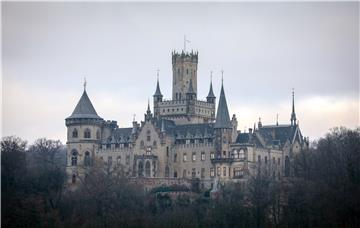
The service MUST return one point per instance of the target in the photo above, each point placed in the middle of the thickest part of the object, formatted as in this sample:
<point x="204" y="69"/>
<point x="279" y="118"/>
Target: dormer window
<point x="87" y="133"/>
<point x="75" y="133"/>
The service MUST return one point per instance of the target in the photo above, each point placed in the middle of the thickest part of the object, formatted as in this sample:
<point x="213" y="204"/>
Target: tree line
<point x="323" y="191"/>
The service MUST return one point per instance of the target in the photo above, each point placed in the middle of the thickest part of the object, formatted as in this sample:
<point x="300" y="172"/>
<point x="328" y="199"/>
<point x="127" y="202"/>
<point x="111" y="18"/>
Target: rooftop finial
<point x="211" y="72"/>
<point x="293" y="115"/>
<point x="185" y="41"/>
<point x="134" y="117"/>
<point x="84" y="83"/>
<point x="157" y="74"/>
<point x="277" y="119"/>
<point x="222" y="76"/>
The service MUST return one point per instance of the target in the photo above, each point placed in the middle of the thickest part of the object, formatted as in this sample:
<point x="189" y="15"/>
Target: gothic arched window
<point x="97" y="134"/>
<point x="154" y="143"/>
<point x="75" y="133"/>
<point x="147" y="169"/>
<point x="87" y="133"/>
<point x="141" y="169"/>
<point x="87" y="159"/>
<point x="167" y="171"/>
<point x="74" y="155"/>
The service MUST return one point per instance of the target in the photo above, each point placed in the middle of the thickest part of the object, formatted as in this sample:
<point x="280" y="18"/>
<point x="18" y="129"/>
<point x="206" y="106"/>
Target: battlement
<point x="185" y="56"/>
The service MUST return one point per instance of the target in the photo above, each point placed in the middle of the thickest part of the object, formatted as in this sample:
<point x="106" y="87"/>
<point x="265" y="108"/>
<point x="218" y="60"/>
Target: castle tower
<point x="83" y="138"/>
<point x="222" y="126"/>
<point x="211" y="97"/>
<point x="184" y="69"/>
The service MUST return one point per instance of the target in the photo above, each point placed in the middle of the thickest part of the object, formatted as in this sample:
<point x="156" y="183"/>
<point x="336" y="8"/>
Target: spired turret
<point x="211" y="97"/>
<point x="158" y="97"/>
<point x="84" y="127"/>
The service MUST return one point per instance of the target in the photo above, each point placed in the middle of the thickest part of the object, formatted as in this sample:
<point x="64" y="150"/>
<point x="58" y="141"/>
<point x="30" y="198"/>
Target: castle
<point x="182" y="138"/>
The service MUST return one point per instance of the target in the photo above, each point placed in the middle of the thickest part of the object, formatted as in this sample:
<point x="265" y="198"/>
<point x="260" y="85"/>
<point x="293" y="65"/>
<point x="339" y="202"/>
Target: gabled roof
<point x="222" y="115"/>
<point x="157" y="92"/>
<point x="211" y="92"/>
<point x="277" y="133"/>
<point x="84" y="109"/>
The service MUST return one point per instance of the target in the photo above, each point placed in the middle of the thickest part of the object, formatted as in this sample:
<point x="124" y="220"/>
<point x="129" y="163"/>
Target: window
<point x="265" y="160"/>
<point x="187" y="71"/>
<point x="87" y="160"/>
<point x="279" y="161"/>
<point x="184" y="173"/>
<point x="235" y="154"/>
<point x="274" y="161"/>
<point x="224" y="153"/>
<point x="117" y="145"/>
<point x="187" y="141"/>
<point x="175" y="174"/>
<point x="142" y="144"/>
<point x="202" y="156"/>
<point x="224" y="171"/>
<point x="148" y="150"/>
<point x="194" y="156"/>
<point x="110" y="161"/>
<point x="97" y="134"/>
<point x="154" y="143"/>
<point x="74" y="158"/>
<point x="147" y="169"/>
<point x="184" y="157"/>
<point x="140" y="169"/>
<point x="167" y="171"/>
<point x="127" y="161"/>
<point x="212" y="172"/>
<point x="175" y="157"/>
<point x="202" y="172"/>
<point x="212" y="155"/>
<point x="108" y="146"/>
<point x="238" y="173"/>
<point x="218" y="171"/>
<point x="87" y="133"/>
<point x="118" y="160"/>
<point x="148" y="138"/>
<point x="75" y="133"/>
<point x="193" y="173"/>
<point x="259" y="159"/>
<point x="242" y="154"/>
<point x="178" y="71"/>
<point x="167" y="151"/>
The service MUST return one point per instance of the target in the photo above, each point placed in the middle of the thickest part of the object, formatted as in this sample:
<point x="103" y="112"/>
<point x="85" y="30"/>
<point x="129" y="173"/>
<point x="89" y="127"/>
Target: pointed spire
<point x="277" y="119"/>
<point x="259" y="123"/>
<point x="148" y="107"/>
<point x="222" y="115"/>
<point x="158" y="92"/>
<point x="84" y="108"/>
<point x="148" y="114"/>
<point x="84" y="84"/>
<point x="293" y="115"/>
<point x="211" y="92"/>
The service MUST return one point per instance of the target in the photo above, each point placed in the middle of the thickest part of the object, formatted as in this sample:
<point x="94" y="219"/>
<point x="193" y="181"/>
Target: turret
<point x="157" y="98"/>
<point x="83" y="137"/>
<point x="148" y="114"/>
<point x="211" y="97"/>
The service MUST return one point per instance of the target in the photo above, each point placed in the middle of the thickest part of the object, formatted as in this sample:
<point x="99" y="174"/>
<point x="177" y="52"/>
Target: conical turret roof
<point x="211" y="92"/>
<point x="222" y="115"/>
<point x="84" y="109"/>
<point x="157" y="92"/>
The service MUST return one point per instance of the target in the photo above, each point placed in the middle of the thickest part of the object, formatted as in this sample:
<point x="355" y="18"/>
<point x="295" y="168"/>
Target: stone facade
<point x="183" y="139"/>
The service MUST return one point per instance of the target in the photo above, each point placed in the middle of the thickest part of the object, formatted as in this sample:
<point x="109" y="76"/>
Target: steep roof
<point x="211" y="92"/>
<point x="222" y="115"/>
<point x="277" y="133"/>
<point x="84" y="109"/>
<point x="157" y="92"/>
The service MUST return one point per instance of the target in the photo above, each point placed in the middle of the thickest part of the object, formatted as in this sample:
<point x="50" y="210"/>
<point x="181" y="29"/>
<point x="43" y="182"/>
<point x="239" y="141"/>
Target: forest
<point x="323" y="191"/>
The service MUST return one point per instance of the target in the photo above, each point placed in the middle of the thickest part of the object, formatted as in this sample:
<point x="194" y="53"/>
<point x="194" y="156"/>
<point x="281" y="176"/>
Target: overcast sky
<point x="265" y="49"/>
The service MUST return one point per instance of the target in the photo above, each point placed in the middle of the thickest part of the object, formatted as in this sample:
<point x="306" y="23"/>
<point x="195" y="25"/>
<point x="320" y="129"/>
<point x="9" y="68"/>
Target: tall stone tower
<point x="83" y="138"/>
<point x="184" y="70"/>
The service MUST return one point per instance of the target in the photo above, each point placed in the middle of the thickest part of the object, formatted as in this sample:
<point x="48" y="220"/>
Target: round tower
<point x="83" y="138"/>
